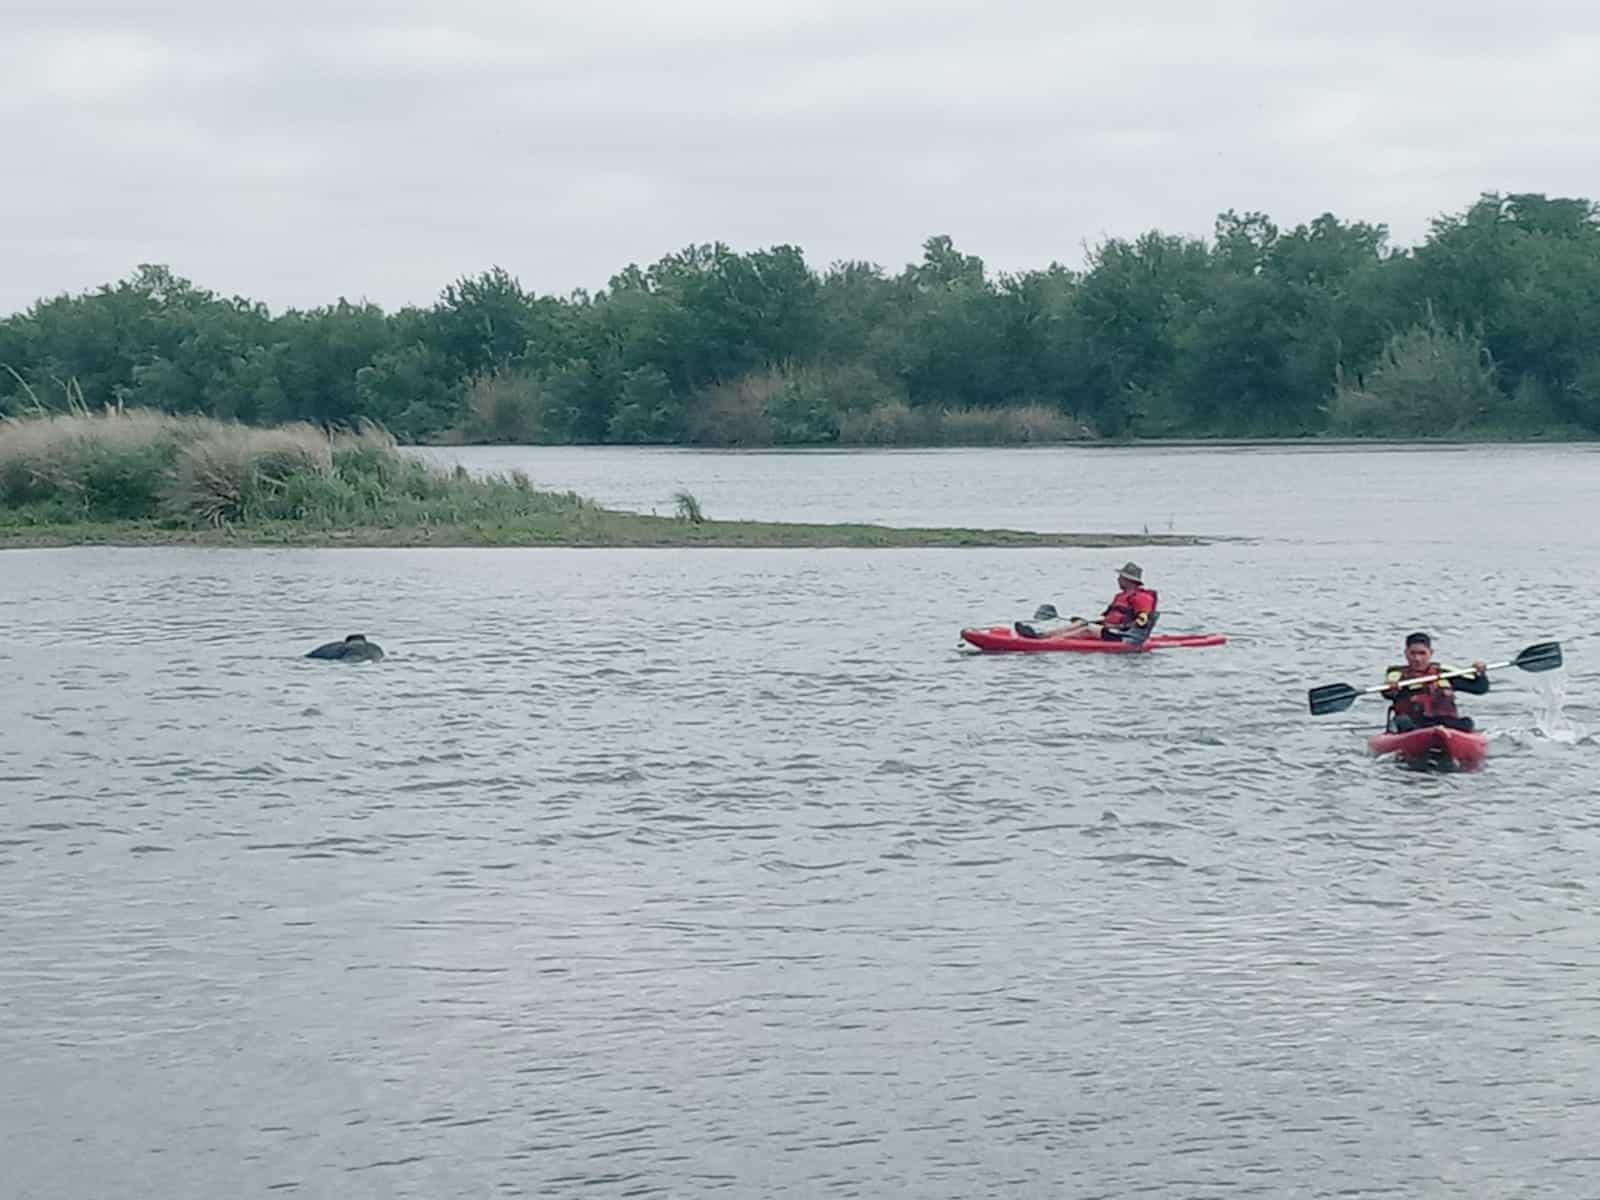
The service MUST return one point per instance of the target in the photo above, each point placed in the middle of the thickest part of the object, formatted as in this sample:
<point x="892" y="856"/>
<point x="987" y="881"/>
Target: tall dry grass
<point x="509" y="406"/>
<point x="735" y="413"/>
<point x="1022" y="424"/>
<point x="851" y="405"/>
<point x="898" y="424"/>
<point x="196" y="471"/>
<point x="110" y="465"/>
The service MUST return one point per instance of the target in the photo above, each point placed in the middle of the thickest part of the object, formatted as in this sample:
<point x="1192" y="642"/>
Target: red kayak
<point x="1434" y="747"/>
<point x="999" y="638"/>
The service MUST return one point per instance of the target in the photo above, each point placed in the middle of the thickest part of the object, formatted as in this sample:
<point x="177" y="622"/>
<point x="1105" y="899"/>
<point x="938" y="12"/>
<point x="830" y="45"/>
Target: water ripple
<point x="664" y="900"/>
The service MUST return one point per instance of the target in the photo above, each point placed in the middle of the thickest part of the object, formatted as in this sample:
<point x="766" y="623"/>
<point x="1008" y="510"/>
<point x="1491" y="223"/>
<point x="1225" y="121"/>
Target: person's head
<point x="355" y="637"/>
<point x="1130" y="576"/>
<point x="1419" y="650"/>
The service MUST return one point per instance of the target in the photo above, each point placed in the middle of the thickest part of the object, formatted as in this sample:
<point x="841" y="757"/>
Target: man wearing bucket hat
<point x="1129" y="617"/>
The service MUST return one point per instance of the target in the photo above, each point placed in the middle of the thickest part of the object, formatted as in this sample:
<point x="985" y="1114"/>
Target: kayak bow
<point x="1433" y="747"/>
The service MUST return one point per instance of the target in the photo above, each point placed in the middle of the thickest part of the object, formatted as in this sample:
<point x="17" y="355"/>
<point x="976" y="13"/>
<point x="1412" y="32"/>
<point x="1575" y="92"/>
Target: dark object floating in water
<point x="354" y="648"/>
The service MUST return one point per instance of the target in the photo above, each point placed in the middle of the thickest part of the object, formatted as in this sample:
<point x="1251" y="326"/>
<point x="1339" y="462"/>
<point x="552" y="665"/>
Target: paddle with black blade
<point x="1336" y="697"/>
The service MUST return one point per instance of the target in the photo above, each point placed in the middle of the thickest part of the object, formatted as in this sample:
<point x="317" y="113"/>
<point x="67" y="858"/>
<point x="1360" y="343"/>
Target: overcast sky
<point x="299" y="151"/>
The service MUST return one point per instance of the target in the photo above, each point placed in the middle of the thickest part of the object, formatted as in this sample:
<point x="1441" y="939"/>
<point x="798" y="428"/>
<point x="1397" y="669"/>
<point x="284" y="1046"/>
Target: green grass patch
<point x="140" y="478"/>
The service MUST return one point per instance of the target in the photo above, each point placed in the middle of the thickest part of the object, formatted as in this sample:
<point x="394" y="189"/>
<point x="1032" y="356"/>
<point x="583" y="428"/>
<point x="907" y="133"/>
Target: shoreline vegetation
<point x="1481" y="332"/>
<point x="146" y="478"/>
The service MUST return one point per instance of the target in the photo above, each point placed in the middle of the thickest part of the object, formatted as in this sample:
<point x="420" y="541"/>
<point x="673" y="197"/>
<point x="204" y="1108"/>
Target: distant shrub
<point x="508" y="406"/>
<point x="896" y="424"/>
<point x="647" y="409"/>
<point x="735" y="413"/>
<point x="814" y="402"/>
<point x="1024" y="423"/>
<point x="1429" y="381"/>
<point x="1582" y="399"/>
<point x="891" y="424"/>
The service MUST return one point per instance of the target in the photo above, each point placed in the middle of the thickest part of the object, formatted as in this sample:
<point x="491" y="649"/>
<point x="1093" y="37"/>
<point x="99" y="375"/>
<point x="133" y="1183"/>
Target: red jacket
<point x="1130" y="609"/>
<point x="1430" y="699"/>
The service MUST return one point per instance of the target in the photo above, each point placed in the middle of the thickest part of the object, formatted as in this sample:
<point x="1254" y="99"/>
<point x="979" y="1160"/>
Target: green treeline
<point x="1490" y="327"/>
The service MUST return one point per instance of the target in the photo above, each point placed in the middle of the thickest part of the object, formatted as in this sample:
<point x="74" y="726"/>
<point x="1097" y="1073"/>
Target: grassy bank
<point x="142" y="478"/>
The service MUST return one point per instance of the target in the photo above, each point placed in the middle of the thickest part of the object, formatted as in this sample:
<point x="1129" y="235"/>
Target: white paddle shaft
<point x="1422" y="679"/>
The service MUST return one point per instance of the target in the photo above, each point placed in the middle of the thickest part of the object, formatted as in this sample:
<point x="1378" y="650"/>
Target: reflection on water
<point x="684" y="873"/>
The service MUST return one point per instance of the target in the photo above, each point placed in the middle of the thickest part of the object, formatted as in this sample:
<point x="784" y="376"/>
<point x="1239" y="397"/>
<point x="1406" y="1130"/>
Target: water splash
<point x="1550" y="720"/>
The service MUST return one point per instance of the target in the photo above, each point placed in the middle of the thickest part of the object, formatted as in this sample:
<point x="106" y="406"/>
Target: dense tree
<point x="1489" y="325"/>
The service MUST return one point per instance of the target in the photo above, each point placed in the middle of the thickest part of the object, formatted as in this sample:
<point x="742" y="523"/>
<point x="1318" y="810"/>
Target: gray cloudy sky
<point x="295" y="151"/>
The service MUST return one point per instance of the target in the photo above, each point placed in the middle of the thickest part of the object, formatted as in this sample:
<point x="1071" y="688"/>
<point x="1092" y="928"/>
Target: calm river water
<point x="686" y="873"/>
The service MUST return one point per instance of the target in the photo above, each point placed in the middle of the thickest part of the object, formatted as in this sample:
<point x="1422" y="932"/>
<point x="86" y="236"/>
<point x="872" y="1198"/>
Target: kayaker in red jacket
<point x="1129" y="617"/>
<point x="1429" y="703"/>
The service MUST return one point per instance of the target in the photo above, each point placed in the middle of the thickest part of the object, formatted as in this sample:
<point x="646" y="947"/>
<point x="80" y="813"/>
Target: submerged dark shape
<point x="354" y="648"/>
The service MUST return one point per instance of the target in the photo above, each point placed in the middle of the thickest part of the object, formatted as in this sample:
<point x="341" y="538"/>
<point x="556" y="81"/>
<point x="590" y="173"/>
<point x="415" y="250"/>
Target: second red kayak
<point x="1000" y="638"/>
<point x="1434" y="747"/>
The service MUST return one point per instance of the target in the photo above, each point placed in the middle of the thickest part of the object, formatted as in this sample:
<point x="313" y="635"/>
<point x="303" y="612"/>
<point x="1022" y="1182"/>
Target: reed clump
<point x="687" y="507"/>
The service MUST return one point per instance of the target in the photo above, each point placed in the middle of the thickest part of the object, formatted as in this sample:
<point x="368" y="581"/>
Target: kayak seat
<point x="1137" y="636"/>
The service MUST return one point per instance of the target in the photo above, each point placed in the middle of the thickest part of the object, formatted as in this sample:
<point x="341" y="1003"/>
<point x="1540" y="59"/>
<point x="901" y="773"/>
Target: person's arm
<point x="1476" y="684"/>
<point x="1393" y="680"/>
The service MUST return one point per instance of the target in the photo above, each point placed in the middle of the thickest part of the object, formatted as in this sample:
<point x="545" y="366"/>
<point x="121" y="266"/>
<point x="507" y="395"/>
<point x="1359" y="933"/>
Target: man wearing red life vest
<point x="1429" y="703"/>
<point x="1128" y="618"/>
<point x="1132" y="611"/>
